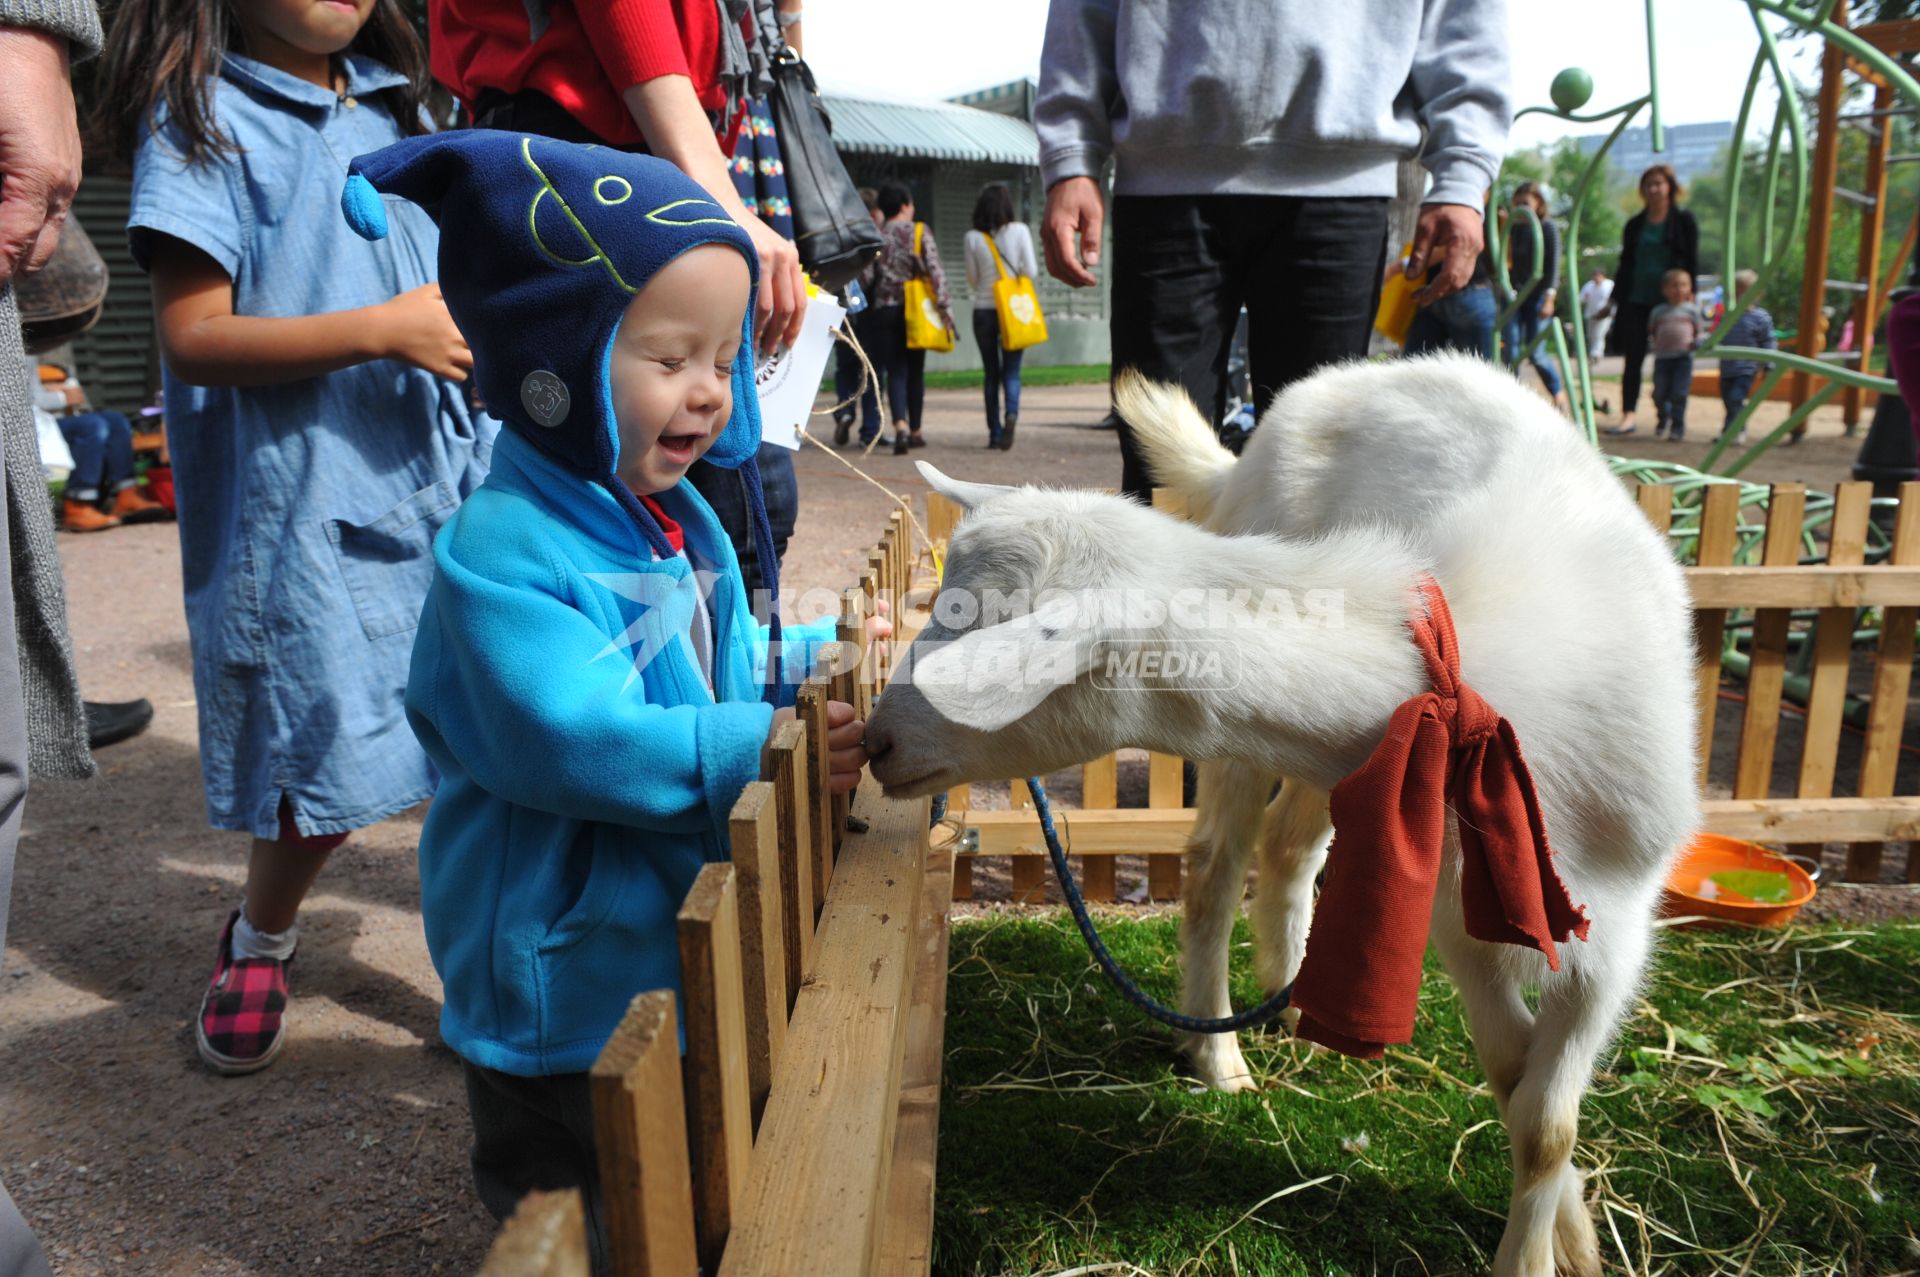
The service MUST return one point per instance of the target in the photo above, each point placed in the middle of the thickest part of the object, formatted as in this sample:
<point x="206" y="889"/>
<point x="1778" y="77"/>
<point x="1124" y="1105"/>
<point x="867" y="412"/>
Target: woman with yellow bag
<point x="911" y="314"/>
<point x="1006" y="310"/>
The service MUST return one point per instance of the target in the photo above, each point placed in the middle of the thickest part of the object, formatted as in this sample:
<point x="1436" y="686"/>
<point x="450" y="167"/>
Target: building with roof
<point x="945" y="151"/>
<point x="1694" y="150"/>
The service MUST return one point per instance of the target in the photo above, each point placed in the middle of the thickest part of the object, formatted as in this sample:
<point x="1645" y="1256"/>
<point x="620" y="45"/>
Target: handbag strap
<point x="997" y="259"/>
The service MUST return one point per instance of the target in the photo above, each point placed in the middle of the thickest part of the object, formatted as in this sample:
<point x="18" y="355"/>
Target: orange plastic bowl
<point x="1710" y="854"/>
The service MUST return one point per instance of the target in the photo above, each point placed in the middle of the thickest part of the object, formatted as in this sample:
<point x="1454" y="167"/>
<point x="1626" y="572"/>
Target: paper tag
<point x="789" y="379"/>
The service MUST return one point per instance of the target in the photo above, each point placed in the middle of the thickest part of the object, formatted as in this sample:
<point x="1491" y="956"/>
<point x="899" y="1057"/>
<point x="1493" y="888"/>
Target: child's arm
<point x="206" y="344"/>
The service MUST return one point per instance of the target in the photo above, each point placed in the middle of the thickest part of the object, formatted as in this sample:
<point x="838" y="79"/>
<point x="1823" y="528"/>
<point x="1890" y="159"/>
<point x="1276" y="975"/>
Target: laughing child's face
<point x="672" y="365"/>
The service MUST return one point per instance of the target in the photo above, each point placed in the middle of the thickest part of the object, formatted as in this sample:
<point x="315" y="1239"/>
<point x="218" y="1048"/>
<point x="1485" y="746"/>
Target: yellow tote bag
<point x="926" y="326"/>
<point x="1021" y="322"/>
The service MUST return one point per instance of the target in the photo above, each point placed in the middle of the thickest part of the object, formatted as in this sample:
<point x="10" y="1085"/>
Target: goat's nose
<point x="877" y="741"/>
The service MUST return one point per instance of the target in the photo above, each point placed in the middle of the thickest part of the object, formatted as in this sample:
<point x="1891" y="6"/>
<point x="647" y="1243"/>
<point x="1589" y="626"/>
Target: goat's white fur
<point x="1572" y="622"/>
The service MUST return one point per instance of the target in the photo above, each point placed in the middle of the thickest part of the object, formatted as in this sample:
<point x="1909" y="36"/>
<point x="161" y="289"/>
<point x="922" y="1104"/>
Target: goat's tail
<point x="1181" y="450"/>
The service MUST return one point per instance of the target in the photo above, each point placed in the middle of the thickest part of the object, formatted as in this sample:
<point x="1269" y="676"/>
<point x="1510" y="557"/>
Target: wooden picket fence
<point x="798" y="1133"/>
<point x="1793" y="604"/>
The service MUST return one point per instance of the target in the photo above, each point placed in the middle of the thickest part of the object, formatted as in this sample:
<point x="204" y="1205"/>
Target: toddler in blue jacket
<point x="588" y="676"/>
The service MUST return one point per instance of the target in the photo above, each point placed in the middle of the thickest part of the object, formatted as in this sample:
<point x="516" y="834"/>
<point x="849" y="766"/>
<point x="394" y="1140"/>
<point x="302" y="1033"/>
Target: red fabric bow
<point x="1360" y="980"/>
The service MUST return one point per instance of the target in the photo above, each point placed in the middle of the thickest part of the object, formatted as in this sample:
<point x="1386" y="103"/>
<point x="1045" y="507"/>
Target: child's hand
<point x="878" y="626"/>
<point x="421" y="332"/>
<point x="846" y="747"/>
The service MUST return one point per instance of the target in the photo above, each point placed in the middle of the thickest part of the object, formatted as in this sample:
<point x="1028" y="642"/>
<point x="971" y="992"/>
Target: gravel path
<point x="349" y="1155"/>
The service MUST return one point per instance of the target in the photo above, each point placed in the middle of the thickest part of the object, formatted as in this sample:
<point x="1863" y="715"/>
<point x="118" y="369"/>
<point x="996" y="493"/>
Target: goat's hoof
<point x="1219" y="1065"/>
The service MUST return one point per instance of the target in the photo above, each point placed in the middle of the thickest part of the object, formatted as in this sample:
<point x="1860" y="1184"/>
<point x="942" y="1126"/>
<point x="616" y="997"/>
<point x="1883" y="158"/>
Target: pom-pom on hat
<point x="543" y="244"/>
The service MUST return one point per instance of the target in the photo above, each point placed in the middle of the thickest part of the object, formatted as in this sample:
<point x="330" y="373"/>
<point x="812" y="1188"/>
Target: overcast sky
<point x="1705" y="46"/>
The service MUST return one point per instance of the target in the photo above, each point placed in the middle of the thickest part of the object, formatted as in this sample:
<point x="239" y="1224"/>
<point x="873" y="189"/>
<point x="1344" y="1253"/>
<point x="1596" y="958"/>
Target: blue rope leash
<point x="1261" y="1014"/>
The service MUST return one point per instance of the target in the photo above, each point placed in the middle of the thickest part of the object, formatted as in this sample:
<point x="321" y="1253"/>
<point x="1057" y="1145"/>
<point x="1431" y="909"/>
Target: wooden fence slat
<point x="1029" y="877"/>
<point x="640" y="1126"/>
<point x="1719" y="535"/>
<point x="905" y="1248"/>
<point x="823" y="1159"/>
<point x="793" y="828"/>
<point x="1165" y="773"/>
<point x="546" y="1236"/>
<point x="810" y="707"/>
<point x="1099" y="791"/>
<point x="763" y="958"/>
<point x="1809" y="586"/>
<point x="1656" y="502"/>
<point x="1892" y="680"/>
<point x="854" y="671"/>
<point x="719" y="1107"/>
<point x="1832" y="655"/>
<point x="1767" y="664"/>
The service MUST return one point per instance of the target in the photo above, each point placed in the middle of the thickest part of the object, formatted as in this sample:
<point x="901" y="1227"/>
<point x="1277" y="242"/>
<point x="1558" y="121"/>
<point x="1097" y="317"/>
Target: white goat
<point x="1572" y="622"/>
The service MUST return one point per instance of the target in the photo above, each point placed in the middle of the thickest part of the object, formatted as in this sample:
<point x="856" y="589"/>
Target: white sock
<point x="248" y="942"/>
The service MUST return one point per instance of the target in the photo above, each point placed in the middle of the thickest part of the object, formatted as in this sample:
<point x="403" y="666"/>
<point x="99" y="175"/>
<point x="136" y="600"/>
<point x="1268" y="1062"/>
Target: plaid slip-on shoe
<point x="243" y="1015"/>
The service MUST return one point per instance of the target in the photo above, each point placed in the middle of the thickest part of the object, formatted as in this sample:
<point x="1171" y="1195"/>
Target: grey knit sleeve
<point x="77" y="20"/>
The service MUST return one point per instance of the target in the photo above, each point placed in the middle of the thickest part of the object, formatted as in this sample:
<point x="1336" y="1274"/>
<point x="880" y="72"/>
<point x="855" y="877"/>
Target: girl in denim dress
<point x="319" y="431"/>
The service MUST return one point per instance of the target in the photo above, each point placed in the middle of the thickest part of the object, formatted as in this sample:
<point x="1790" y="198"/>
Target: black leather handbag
<point x="831" y="228"/>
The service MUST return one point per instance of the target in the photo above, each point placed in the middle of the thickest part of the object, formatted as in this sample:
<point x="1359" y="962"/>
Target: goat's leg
<point x="1548" y="1227"/>
<point x="1293" y="846"/>
<point x="1230" y="797"/>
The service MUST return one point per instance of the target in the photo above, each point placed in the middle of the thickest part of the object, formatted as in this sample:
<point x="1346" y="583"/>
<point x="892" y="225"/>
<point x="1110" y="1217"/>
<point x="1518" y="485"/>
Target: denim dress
<point x="307" y="509"/>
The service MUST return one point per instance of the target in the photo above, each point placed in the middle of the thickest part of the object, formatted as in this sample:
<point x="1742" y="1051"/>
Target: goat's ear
<point x="992" y="677"/>
<point x="964" y="494"/>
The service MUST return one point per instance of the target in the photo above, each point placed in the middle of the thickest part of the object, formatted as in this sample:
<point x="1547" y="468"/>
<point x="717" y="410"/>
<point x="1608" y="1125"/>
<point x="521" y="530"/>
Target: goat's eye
<point x="1048" y="633"/>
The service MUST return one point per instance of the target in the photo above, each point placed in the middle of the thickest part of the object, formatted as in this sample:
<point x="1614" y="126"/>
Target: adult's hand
<point x="1071" y="230"/>
<point x="782" y="301"/>
<point x="1451" y="237"/>
<point x="39" y="148"/>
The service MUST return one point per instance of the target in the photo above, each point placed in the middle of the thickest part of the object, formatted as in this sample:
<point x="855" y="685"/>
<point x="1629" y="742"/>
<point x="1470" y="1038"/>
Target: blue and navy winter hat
<point x="543" y="244"/>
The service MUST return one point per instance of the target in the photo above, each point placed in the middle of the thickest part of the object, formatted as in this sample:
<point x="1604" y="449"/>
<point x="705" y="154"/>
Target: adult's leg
<point x="20" y="1254"/>
<point x="916" y="387"/>
<point x="891" y="324"/>
<point x="86" y="436"/>
<point x="1632" y="322"/>
<point x="986" y="332"/>
<point x="1010" y="379"/>
<point x="1311" y="270"/>
<point x="1530" y="325"/>
<point x="867" y="328"/>
<point x="535" y="1133"/>
<point x="119" y="458"/>
<point x="1174" y="303"/>
<point x="780" y="487"/>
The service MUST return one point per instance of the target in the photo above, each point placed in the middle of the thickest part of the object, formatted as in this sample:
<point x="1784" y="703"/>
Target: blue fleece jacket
<point x="586" y="768"/>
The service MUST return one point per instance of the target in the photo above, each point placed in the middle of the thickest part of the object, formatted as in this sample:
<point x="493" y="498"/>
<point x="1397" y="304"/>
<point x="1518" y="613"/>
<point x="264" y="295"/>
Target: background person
<point x="318" y="431"/>
<point x="1596" y="296"/>
<point x="993" y="218"/>
<point x="1525" y="248"/>
<point x="1754" y="328"/>
<point x="42" y="725"/>
<point x="1662" y="236"/>
<point x="905" y="369"/>
<point x="1253" y="163"/>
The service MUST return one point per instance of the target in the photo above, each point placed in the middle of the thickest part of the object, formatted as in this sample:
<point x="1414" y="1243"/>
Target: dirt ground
<point x="349" y="1155"/>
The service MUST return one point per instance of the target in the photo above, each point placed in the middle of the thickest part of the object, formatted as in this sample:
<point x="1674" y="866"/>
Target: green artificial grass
<point x="1060" y="375"/>
<point x="1758" y="1114"/>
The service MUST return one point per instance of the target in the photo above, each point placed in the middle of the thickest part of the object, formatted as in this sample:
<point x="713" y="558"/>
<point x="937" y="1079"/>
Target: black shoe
<point x="841" y="429"/>
<point x="108" y="724"/>
<point x="993" y="441"/>
<point x="900" y="445"/>
<point x="915" y="441"/>
<point x="1006" y="435"/>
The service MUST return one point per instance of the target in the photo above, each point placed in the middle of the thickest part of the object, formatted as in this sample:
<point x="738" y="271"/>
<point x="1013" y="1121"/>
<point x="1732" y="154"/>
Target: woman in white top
<point x="993" y="217"/>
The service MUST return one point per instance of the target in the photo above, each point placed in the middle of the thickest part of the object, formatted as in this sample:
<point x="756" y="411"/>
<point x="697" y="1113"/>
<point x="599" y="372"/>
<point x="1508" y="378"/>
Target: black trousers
<point x="1307" y="270"/>
<point x="535" y="1133"/>
<point x="1630" y="321"/>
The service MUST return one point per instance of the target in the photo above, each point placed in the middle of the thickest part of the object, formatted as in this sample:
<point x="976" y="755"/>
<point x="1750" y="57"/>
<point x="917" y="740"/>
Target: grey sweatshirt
<point x="1275" y="97"/>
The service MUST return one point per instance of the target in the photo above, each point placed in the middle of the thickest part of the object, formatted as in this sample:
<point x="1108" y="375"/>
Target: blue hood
<point x="543" y="244"/>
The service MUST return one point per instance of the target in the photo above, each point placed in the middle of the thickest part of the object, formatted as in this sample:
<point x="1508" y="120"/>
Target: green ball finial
<point x="1571" y="89"/>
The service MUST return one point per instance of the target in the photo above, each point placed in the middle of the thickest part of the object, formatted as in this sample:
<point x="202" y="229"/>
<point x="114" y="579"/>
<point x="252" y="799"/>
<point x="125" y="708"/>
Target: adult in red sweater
<point x="639" y="74"/>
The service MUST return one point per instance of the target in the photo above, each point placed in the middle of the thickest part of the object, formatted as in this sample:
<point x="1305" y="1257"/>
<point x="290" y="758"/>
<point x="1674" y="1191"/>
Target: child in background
<point x="1674" y="329"/>
<point x="1754" y="329"/>
<point x="318" y="430"/>
<point x="588" y="676"/>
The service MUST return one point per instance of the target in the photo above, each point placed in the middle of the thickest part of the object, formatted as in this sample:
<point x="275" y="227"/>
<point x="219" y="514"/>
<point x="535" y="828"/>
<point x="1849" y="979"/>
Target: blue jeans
<point x="1672" y="380"/>
<point x="1734" y="389"/>
<point x="1463" y="321"/>
<point x="1002" y="367"/>
<point x="1521" y="330"/>
<point x="726" y="491"/>
<point x="102" y="447"/>
<point x="904" y="369"/>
